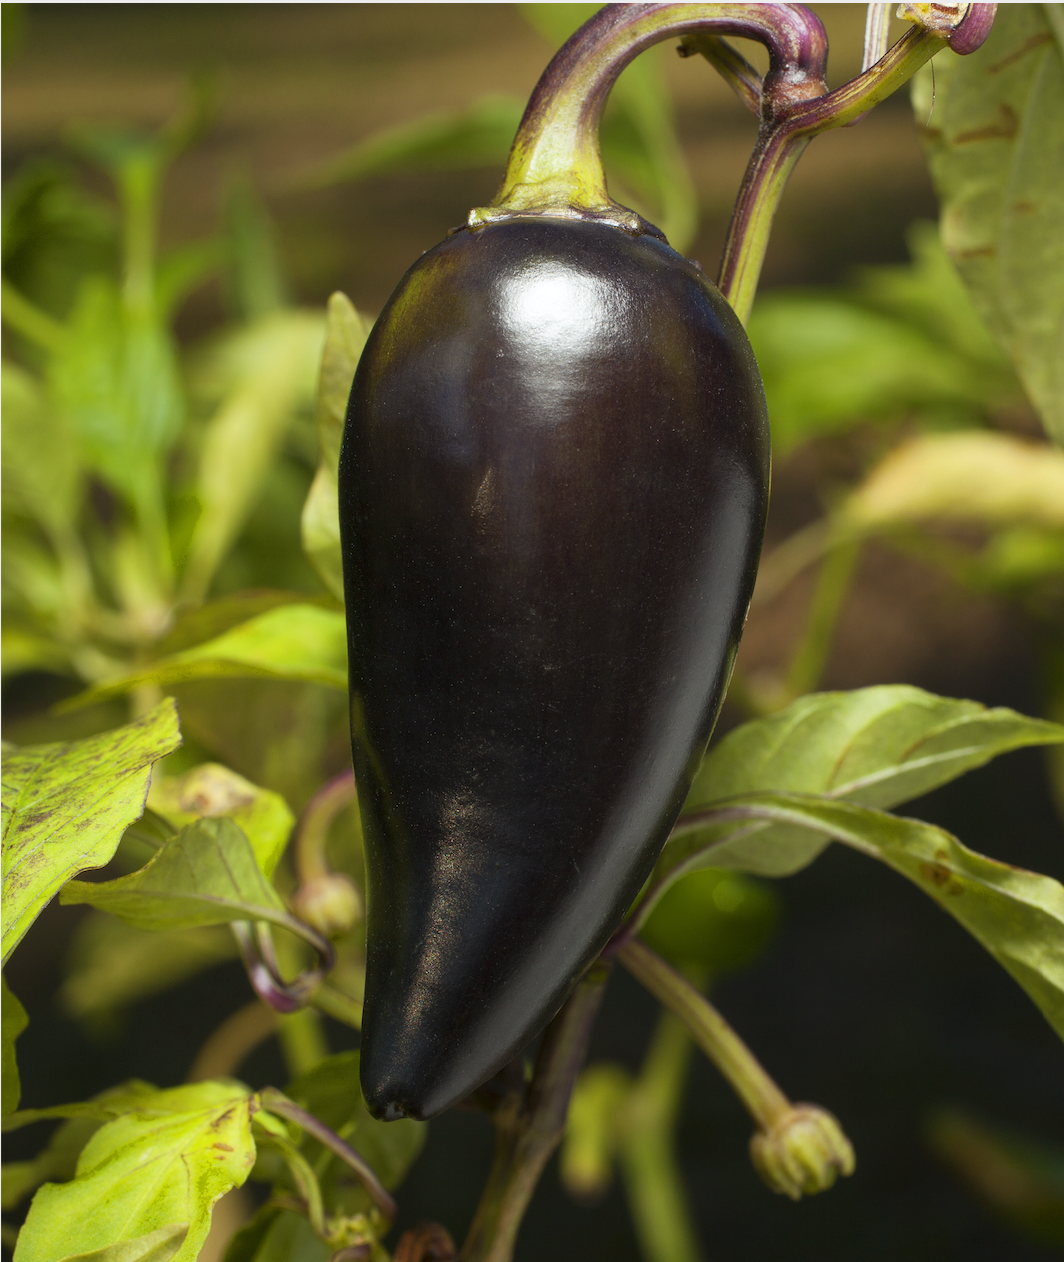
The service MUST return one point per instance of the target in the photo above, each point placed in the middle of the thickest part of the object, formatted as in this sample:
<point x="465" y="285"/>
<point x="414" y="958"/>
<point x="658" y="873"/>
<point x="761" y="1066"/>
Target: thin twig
<point x="276" y="1102"/>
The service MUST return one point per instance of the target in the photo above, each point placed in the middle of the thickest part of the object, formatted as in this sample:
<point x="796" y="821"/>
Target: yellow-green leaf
<point x="14" y="1021"/>
<point x="205" y="875"/>
<point x="211" y="791"/>
<point x="157" y="1168"/>
<point x="297" y="642"/>
<point x="65" y="807"/>
<point x="976" y="476"/>
<point x="994" y="127"/>
<point x="346" y="333"/>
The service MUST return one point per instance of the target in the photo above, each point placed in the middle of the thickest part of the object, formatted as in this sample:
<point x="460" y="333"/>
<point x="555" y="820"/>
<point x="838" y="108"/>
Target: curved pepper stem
<point x="555" y="167"/>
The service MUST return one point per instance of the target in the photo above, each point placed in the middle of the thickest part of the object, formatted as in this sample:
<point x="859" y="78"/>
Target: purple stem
<point x="276" y="1102"/>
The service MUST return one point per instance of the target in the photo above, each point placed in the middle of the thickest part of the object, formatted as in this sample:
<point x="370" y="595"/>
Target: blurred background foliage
<point x="185" y="186"/>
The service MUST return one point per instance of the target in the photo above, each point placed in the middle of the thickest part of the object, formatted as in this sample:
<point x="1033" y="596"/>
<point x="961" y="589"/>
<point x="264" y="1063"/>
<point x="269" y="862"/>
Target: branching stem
<point x="529" y="1126"/>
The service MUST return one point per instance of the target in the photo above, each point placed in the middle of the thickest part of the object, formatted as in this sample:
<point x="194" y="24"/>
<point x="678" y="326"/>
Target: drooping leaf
<point x="14" y="1021"/>
<point x="162" y="1164"/>
<point x="346" y="333"/>
<point x="1018" y="916"/>
<point x="113" y="965"/>
<point x="211" y="791"/>
<point x="995" y="139"/>
<point x="272" y="364"/>
<point x="990" y="478"/>
<point x="592" y="1130"/>
<point x="205" y="875"/>
<point x="879" y="746"/>
<point x="294" y="642"/>
<point x="65" y="807"/>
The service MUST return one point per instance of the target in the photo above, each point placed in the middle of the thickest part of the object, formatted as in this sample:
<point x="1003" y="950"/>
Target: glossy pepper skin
<point x="553" y="486"/>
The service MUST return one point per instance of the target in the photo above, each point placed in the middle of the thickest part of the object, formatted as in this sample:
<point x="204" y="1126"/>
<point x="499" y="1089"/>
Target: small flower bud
<point x="331" y="904"/>
<point x="803" y="1153"/>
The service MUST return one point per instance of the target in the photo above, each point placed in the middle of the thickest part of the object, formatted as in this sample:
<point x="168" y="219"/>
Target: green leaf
<point x="255" y="281"/>
<point x="294" y="642"/>
<point x="828" y="363"/>
<point x="205" y="875"/>
<point x="211" y="791"/>
<point x="115" y="376"/>
<point x="14" y="1021"/>
<point x="183" y="270"/>
<point x="163" y="1163"/>
<point x="116" y="1102"/>
<point x="41" y="461"/>
<point x="332" y="1093"/>
<point x="480" y="135"/>
<point x="156" y="1246"/>
<point x="345" y="335"/>
<point x="721" y="921"/>
<point x="878" y="746"/>
<point x="995" y="140"/>
<point x="976" y="476"/>
<point x="65" y="807"/>
<point x="57" y="1162"/>
<point x="207" y="622"/>
<point x="1018" y="916"/>
<point x="277" y="1235"/>
<point x="112" y="964"/>
<point x="272" y="364"/>
<point x="280" y="734"/>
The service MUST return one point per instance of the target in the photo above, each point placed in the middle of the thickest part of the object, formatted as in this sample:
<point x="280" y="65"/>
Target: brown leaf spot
<point x="1029" y="45"/>
<point x="1005" y="127"/>
<point x="223" y="1147"/>
<point x="983" y="252"/>
<point x="940" y="876"/>
<point x="1024" y="208"/>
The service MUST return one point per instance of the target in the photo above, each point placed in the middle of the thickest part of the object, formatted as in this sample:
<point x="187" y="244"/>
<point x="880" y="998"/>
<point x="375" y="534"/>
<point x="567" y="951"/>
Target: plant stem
<point x="302" y="1039"/>
<point x="781" y="142"/>
<point x="652" y="1175"/>
<point x="530" y="1127"/>
<point x="276" y="1102"/>
<point x="334" y="1003"/>
<point x="236" y="1037"/>
<point x="555" y="166"/>
<point x="762" y="1098"/>
<point x="312" y="830"/>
